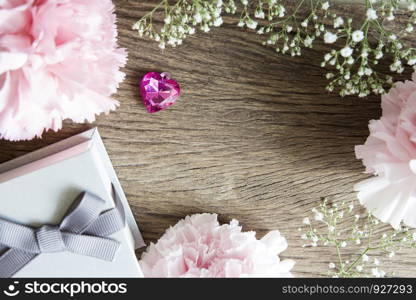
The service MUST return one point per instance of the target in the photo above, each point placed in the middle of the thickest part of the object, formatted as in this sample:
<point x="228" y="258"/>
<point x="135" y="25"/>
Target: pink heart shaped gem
<point x="158" y="91"/>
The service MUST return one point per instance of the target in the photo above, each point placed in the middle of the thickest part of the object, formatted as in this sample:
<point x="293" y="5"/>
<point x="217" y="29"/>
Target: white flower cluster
<point x="182" y="20"/>
<point x="288" y="37"/>
<point x="356" y="62"/>
<point x="366" y="234"/>
<point x="353" y="64"/>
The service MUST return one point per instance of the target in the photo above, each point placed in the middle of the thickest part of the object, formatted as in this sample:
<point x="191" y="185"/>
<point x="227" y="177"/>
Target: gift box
<point x="63" y="213"/>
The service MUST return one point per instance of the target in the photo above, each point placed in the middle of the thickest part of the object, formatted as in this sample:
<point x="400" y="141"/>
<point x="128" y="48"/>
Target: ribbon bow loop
<point x="49" y="239"/>
<point x="84" y="230"/>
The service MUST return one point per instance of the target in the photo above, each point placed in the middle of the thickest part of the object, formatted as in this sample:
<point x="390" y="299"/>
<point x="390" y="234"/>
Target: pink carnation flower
<point x="58" y="60"/>
<point x="390" y="154"/>
<point x="198" y="246"/>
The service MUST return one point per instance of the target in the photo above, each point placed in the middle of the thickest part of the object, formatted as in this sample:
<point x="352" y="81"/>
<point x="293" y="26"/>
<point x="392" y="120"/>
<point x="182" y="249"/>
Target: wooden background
<point x="255" y="137"/>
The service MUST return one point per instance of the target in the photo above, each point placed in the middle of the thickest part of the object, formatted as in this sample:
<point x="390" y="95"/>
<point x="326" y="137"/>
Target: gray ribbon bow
<point x="84" y="230"/>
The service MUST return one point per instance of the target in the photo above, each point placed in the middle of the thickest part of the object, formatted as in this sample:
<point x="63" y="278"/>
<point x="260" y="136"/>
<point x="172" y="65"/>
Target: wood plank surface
<point x="254" y="137"/>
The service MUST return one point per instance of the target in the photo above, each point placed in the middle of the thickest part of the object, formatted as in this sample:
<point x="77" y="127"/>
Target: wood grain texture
<point x="254" y="137"/>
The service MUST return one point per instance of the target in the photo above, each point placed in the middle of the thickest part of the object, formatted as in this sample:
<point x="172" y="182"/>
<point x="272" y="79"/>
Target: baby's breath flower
<point x="338" y="22"/>
<point x="197" y="18"/>
<point x="346" y="51"/>
<point x="357" y="36"/>
<point x="259" y="14"/>
<point x="167" y="19"/>
<point x="371" y="14"/>
<point x="363" y="234"/>
<point x="308" y="41"/>
<point x="377" y="273"/>
<point x="319" y="216"/>
<point x="353" y="65"/>
<point x="218" y="22"/>
<point x="330" y="37"/>
<point x="390" y="17"/>
<point x="251" y="24"/>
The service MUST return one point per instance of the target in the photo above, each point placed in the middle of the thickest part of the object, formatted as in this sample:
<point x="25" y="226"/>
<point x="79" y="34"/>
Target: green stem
<point x="352" y="265"/>
<point x="341" y="264"/>
<point x="293" y="15"/>
<point x="163" y="2"/>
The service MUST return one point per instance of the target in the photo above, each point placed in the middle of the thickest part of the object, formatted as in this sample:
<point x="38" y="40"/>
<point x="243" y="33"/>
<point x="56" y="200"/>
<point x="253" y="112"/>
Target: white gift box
<point x="38" y="188"/>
